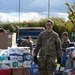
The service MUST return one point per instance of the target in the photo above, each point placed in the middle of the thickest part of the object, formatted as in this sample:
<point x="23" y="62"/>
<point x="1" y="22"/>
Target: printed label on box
<point x="27" y="64"/>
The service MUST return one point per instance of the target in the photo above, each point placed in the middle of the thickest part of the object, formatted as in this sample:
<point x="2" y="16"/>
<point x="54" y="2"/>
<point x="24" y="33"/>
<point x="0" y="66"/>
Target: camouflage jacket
<point x="48" y="43"/>
<point x="25" y="44"/>
<point x="65" y="43"/>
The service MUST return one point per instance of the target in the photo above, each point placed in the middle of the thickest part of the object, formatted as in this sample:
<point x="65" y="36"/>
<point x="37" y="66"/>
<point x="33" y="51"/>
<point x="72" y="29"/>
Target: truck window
<point x="31" y="32"/>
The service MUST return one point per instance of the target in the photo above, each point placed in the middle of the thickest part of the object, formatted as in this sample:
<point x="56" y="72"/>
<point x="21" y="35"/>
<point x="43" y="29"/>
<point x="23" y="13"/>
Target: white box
<point x="20" y="64"/>
<point x="27" y="64"/>
<point x="26" y="50"/>
<point x="14" y="64"/>
<point x="16" y="50"/>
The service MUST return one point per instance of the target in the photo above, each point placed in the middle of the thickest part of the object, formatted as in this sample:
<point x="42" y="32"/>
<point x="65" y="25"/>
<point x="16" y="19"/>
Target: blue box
<point x="34" y="68"/>
<point x="26" y="56"/>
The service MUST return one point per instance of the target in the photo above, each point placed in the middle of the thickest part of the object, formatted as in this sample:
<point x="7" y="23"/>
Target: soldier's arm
<point x="38" y="45"/>
<point x="31" y="47"/>
<point x="58" y="47"/>
<point x="67" y="43"/>
<point x="21" y="44"/>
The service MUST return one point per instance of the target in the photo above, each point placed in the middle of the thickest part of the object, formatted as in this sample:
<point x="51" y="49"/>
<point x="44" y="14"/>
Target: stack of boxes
<point x="16" y="57"/>
<point x="26" y="57"/>
<point x="4" y="63"/>
<point x="20" y="60"/>
<point x="34" y="70"/>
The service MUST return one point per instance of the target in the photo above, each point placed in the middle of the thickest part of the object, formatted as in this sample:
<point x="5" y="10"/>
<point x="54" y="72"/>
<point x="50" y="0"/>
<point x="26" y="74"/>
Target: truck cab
<point x="29" y="31"/>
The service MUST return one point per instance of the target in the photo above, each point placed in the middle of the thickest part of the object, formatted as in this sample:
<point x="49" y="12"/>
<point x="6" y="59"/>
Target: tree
<point x="71" y="14"/>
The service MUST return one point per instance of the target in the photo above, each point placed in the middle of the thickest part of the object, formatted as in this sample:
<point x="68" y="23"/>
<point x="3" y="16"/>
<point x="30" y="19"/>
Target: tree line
<point x="60" y="25"/>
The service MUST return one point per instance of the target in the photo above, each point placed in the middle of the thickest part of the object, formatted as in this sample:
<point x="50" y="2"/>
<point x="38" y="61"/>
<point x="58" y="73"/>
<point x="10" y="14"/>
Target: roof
<point x="31" y="28"/>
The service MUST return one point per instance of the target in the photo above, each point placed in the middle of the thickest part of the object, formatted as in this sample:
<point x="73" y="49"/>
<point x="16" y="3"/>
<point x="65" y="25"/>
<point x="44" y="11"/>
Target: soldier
<point x="64" y="40"/>
<point x="49" y="47"/>
<point x="27" y="43"/>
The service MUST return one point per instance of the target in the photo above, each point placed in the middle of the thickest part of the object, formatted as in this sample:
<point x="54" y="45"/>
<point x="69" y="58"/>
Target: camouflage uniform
<point x="48" y="46"/>
<point x="25" y="44"/>
<point x="65" y="43"/>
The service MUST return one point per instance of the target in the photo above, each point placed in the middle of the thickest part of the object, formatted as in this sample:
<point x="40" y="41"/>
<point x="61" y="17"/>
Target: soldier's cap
<point x="65" y="34"/>
<point x="50" y="21"/>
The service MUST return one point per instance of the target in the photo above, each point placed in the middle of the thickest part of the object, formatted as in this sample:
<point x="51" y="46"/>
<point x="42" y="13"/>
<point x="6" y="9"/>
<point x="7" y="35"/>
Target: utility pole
<point x="19" y="11"/>
<point x="48" y="9"/>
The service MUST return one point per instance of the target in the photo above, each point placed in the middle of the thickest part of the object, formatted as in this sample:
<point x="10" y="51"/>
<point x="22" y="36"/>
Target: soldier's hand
<point x="35" y="59"/>
<point x="58" y="60"/>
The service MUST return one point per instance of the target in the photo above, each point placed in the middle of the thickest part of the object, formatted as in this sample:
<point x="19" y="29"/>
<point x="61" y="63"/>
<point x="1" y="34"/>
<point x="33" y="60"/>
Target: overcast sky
<point x="32" y="9"/>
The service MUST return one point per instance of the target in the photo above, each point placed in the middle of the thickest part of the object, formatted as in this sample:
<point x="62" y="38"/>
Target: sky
<point x="32" y="9"/>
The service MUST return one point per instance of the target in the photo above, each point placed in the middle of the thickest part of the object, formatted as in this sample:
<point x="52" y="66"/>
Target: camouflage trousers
<point x="46" y="65"/>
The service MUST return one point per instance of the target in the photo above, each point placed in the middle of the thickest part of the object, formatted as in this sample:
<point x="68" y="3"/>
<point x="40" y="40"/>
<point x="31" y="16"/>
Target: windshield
<point x="31" y="32"/>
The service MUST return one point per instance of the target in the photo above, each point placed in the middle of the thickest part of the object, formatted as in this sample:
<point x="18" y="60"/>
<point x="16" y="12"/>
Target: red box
<point x="5" y="72"/>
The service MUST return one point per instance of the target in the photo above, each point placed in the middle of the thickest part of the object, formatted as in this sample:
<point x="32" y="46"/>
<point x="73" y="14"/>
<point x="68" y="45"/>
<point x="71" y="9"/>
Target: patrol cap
<point x="65" y="34"/>
<point x="50" y="22"/>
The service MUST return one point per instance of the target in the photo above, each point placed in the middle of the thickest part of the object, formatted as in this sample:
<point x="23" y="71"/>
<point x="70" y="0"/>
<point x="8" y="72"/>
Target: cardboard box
<point x="17" y="71"/>
<point x="26" y="71"/>
<point x="20" y="71"/>
<point x="7" y="39"/>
